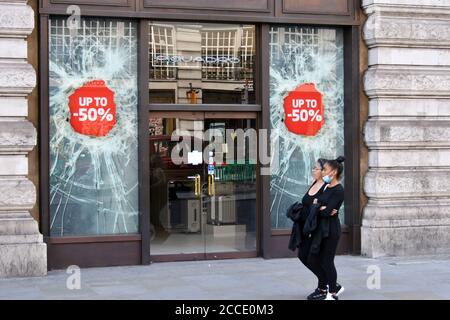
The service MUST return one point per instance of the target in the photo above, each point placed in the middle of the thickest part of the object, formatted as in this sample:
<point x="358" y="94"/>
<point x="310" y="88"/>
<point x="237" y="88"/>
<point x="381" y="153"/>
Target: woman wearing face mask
<point x="330" y="200"/>
<point x="313" y="192"/>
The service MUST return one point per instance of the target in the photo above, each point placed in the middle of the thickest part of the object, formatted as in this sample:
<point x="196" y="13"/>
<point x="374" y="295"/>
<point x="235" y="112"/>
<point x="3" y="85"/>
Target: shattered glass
<point x="93" y="180"/>
<point x="303" y="55"/>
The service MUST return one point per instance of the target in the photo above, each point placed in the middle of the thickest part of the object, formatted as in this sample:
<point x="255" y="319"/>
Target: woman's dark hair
<point x="321" y="162"/>
<point x="336" y="164"/>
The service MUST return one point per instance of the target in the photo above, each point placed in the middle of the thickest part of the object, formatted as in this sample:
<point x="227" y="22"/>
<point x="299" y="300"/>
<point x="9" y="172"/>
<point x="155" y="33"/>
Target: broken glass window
<point x="301" y="55"/>
<point x="93" y="179"/>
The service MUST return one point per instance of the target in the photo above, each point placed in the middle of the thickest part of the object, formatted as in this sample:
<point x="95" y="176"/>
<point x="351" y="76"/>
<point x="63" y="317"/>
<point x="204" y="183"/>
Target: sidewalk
<point x="401" y="278"/>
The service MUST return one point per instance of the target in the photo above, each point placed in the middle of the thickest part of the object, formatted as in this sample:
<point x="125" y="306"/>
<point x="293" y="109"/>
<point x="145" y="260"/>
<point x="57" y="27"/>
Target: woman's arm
<point x="333" y="212"/>
<point x="336" y="200"/>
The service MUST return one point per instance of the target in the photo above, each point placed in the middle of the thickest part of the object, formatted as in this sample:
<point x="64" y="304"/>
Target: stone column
<point x="22" y="251"/>
<point x="408" y="130"/>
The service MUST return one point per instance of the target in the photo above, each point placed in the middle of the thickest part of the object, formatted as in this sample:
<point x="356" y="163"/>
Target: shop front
<point x="183" y="130"/>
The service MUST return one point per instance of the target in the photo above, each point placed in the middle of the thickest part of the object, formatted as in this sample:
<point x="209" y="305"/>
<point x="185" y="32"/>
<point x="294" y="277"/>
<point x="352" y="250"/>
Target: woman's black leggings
<point x="322" y="264"/>
<point x="303" y="254"/>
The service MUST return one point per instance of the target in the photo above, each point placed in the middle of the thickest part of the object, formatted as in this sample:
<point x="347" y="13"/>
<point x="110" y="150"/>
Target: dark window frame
<point x="275" y="240"/>
<point x="270" y="244"/>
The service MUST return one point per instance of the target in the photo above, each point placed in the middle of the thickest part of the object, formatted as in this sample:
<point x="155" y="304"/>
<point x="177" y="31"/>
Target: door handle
<point x="211" y="186"/>
<point x="197" y="184"/>
<point x="198" y="190"/>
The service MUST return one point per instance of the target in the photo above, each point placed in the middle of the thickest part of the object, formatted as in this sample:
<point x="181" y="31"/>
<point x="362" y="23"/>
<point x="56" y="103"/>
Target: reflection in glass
<point x="303" y="55"/>
<point x="201" y="63"/>
<point x="93" y="180"/>
<point x="194" y="209"/>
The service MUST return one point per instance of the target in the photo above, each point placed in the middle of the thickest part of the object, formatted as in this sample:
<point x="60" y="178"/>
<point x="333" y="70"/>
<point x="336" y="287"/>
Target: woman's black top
<point x="332" y="198"/>
<point x="307" y="200"/>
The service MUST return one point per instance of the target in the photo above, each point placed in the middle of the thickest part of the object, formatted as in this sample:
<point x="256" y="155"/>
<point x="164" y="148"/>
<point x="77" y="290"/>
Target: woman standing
<point x="313" y="192"/>
<point x="330" y="200"/>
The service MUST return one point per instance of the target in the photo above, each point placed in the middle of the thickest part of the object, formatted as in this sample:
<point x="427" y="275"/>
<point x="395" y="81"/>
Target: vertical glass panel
<point x="193" y="63"/>
<point x="303" y="55"/>
<point x="230" y="203"/>
<point x="93" y="127"/>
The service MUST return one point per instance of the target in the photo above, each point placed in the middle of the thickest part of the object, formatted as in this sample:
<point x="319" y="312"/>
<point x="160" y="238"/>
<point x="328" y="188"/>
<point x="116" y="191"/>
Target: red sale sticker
<point x="92" y="109"/>
<point x="303" y="110"/>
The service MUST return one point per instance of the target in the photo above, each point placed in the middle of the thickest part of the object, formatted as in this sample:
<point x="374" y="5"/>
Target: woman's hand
<point x="333" y="212"/>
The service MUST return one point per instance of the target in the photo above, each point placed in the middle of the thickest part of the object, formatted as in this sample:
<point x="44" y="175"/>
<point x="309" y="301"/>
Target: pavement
<point x="388" y="278"/>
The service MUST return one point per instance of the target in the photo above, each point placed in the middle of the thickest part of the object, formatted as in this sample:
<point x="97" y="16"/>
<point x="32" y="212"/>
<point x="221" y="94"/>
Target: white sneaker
<point x="331" y="297"/>
<point x="339" y="289"/>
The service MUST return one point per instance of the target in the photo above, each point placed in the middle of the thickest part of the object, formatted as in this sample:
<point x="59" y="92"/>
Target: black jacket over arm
<point x="295" y="213"/>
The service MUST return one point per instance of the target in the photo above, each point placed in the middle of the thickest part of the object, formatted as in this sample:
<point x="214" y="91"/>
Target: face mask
<point x="327" y="179"/>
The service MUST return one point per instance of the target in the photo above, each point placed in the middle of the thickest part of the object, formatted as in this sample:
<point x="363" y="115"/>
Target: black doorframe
<point x="236" y="108"/>
<point x="144" y="164"/>
<point x="212" y="255"/>
<point x="352" y="135"/>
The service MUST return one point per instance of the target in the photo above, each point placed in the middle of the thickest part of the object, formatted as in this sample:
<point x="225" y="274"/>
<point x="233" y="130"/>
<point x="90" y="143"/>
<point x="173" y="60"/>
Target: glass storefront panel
<point x="198" y="207"/>
<point x="193" y="63"/>
<point x="93" y="145"/>
<point x="307" y="63"/>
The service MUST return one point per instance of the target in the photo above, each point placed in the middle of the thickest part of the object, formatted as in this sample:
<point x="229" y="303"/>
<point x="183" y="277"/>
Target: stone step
<point x="18" y="226"/>
<point x="21" y="238"/>
<point x="17" y="193"/>
<point x="24" y="259"/>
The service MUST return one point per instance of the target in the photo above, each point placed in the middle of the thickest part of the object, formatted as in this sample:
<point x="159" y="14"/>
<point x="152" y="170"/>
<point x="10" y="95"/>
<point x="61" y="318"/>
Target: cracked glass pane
<point x="301" y="55"/>
<point x="93" y="178"/>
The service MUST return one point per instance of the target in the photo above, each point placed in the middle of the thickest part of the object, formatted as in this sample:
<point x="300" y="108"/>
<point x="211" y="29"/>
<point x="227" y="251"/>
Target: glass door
<point x="202" y="185"/>
<point x="230" y="198"/>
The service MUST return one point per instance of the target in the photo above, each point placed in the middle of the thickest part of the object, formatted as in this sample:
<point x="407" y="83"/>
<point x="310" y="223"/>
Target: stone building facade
<point x="408" y="130"/>
<point x="22" y="250"/>
<point x="407" y="133"/>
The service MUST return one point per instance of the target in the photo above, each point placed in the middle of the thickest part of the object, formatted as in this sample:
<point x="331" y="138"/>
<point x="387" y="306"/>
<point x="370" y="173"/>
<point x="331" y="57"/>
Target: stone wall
<point x="408" y="131"/>
<point x="22" y="251"/>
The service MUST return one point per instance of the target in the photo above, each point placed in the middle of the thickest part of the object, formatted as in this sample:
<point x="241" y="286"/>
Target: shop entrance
<point x="203" y="185"/>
